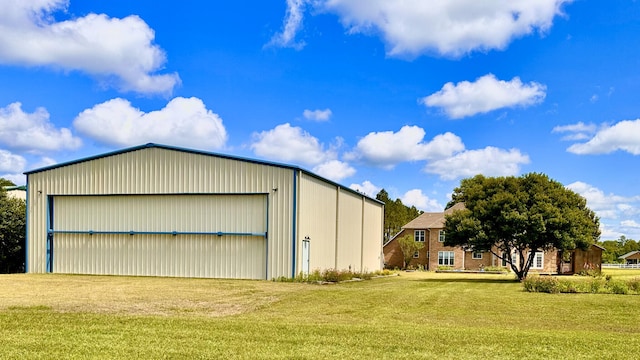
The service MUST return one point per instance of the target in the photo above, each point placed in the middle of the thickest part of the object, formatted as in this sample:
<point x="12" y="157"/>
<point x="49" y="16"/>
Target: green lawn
<point x="414" y="315"/>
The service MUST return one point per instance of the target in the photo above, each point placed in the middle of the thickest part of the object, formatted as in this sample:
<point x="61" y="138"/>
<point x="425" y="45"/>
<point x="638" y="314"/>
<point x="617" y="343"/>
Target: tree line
<point x="613" y="249"/>
<point x="13" y="227"/>
<point x="396" y="214"/>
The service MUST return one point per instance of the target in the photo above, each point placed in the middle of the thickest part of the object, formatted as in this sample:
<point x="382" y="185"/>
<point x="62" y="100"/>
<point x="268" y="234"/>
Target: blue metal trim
<point x="294" y="220"/>
<point x="26" y="234"/>
<point x="266" y="239"/>
<point x="167" y="194"/>
<point x="49" y="254"/>
<point x="173" y="233"/>
<point x="199" y="152"/>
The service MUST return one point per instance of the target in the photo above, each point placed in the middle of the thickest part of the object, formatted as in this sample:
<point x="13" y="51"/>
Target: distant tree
<point x="4" y="182"/>
<point x="12" y="234"/>
<point x="611" y="252"/>
<point x="396" y="214"/>
<point x="515" y="217"/>
<point x="408" y="246"/>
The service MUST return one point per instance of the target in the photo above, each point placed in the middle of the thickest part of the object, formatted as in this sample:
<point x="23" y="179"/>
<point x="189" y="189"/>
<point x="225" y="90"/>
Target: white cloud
<point x="386" y="149"/>
<point x="33" y="132"/>
<point x="291" y="144"/>
<point x="112" y="49"/>
<point x="11" y="163"/>
<point x="489" y="161"/>
<point x="630" y="224"/>
<point x="485" y="94"/>
<point x="367" y="187"/>
<point x="624" y="136"/>
<point x="183" y="122"/>
<point x="421" y="201"/>
<point x="445" y="27"/>
<point x="608" y="206"/>
<point x="44" y="162"/>
<point x="576" y="132"/>
<point x="578" y="127"/>
<point x="611" y="208"/>
<point x="335" y="170"/>
<point x="317" y="115"/>
<point x="610" y="233"/>
<point x="290" y="27"/>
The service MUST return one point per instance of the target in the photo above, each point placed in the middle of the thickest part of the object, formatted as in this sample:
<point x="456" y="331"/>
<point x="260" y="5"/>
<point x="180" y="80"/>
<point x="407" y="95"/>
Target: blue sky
<point x="410" y="96"/>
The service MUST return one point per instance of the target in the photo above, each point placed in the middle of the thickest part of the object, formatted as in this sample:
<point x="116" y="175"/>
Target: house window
<point x="418" y="235"/>
<point x="441" y="236"/>
<point x="416" y="254"/>
<point x="445" y="258"/>
<point x="476" y="255"/>
<point x="538" y="261"/>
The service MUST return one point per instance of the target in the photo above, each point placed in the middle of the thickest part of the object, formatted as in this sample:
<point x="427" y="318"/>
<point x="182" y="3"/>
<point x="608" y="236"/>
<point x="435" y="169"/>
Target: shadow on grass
<point x="472" y="281"/>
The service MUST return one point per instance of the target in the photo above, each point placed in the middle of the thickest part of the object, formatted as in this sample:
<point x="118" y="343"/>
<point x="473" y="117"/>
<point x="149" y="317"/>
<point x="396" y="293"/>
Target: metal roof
<point x="628" y="254"/>
<point x="199" y="152"/>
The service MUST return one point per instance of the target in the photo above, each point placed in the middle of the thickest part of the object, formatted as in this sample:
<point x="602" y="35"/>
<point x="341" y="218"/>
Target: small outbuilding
<point x="631" y="258"/>
<point x="159" y="210"/>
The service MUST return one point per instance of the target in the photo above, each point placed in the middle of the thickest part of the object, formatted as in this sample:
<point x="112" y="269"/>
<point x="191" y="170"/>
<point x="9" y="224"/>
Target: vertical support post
<point x="294" y="232"/>
<point x="49" y="255"/>
<point x="26" y="235"/>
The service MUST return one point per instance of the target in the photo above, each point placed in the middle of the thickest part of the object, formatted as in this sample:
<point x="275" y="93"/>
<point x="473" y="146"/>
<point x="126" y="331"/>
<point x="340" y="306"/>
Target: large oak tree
<point x="515" y="217"/>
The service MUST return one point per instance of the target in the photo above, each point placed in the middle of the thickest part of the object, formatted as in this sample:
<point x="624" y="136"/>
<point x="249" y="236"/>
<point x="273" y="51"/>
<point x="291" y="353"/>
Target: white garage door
<point x="220" y="236"/>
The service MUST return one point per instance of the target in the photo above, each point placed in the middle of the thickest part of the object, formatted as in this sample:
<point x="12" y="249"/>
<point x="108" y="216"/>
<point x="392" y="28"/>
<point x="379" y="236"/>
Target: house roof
<point x="628" y="254"/>
<point x="199" y="152"/>
<point x="432" y="220"/>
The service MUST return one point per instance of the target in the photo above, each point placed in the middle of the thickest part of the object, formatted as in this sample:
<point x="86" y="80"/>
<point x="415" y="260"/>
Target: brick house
<point x="429" y="229"/>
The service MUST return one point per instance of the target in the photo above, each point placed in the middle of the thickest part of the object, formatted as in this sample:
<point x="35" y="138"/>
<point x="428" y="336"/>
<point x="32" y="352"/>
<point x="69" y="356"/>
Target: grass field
<point x="413" y="315"/>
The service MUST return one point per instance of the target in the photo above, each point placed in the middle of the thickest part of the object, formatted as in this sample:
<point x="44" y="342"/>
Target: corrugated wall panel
<point x="372" y="236"/>
<point x="163" y="171"/>
<point x="349" y="245"/>
<point x="318" y="210"/>
<point x="182" y="213"/>
<point x="160" y="255"/>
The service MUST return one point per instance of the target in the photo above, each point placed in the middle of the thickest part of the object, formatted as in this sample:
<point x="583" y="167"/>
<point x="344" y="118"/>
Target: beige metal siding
<point x="349" y="244"/>
<point x="161" y="254"/>
<point x="164" y="171"/>
<point x="372" y="236"/>
<point x="161" y="213"/>
<point x="317" y="221"/>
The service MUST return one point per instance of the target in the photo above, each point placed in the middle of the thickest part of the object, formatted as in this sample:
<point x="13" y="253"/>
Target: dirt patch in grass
<point x="137" y="295"/>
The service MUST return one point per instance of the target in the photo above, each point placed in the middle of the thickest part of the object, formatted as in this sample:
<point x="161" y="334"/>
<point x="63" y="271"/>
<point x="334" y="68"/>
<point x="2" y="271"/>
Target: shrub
<point x="634" y="285"/>
<point x="618" y="287"/>
<point x="568" y="286"/>
<point x="495" y="268"/>
<point x="536" y="283"/>
<point x="595" y="285"/>
<point x="590" y="272"/>
<point x="444" y="268"/>
<point x="546" y="284"/>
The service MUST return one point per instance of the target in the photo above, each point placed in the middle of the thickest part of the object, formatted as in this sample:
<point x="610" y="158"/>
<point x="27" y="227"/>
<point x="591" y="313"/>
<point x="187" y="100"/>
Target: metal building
<point x="164" y="211"/>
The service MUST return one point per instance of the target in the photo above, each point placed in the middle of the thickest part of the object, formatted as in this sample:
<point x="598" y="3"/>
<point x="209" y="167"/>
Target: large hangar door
<point x="220" y="236"/>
